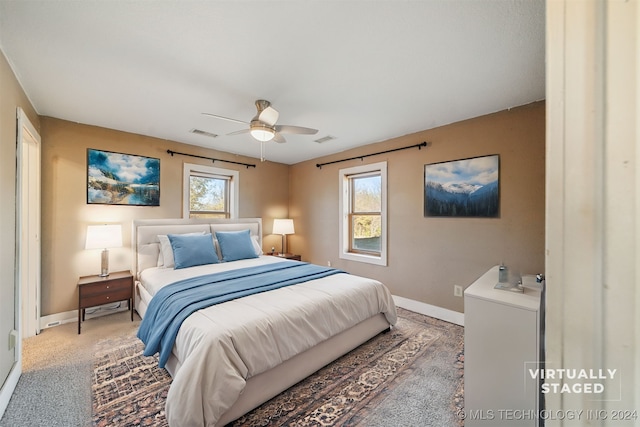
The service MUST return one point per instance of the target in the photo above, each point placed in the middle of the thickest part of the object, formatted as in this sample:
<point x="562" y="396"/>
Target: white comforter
<point x="219" y="347"/>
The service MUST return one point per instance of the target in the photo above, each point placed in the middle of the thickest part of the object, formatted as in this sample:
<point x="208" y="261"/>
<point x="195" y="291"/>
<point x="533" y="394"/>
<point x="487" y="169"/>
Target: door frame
<point x="29" y="218"/>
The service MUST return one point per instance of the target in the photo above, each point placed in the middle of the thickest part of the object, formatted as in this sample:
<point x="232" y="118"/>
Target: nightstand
<point x="96" y="290"/>
<point x="286" y="256"/>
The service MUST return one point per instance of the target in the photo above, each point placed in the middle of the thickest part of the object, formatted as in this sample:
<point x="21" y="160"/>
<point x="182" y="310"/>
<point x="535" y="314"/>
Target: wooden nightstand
<point x="96" y="290"/>
<point x="286" y="256"/>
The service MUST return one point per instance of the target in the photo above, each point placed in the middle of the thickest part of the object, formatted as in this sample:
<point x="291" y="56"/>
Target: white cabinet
<point x="501" y="343"/>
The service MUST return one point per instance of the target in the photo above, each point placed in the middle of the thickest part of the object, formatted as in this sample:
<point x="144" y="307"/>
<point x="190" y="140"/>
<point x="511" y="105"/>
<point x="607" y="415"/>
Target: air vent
<point x="203" y="133"/>
<point x="324" y="139"/>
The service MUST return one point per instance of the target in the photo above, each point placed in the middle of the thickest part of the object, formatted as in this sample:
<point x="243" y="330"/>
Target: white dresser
<point x="502" y="339"/>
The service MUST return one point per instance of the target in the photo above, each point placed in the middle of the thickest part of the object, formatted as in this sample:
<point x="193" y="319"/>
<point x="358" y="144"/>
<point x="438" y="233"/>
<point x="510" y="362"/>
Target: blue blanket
<point x="175" y="302"/>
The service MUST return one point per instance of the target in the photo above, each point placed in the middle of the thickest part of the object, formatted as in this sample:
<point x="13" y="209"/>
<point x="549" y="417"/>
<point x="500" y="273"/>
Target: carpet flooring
<point x="409" y="376"/>
<point x="57" y="365"/>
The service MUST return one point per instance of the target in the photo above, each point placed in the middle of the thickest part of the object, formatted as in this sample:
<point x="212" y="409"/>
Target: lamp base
<point x="104" y="265"/>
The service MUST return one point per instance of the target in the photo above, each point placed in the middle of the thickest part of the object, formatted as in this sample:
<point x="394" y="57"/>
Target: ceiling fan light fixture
<point x="262" y="133"/>
<point x="263" y="126"/>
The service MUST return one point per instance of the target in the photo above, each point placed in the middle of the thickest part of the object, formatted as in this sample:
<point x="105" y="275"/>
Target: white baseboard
<point x="430" y="310"/>
<point x="58" y="319"/>
<point x="409" y="304"/>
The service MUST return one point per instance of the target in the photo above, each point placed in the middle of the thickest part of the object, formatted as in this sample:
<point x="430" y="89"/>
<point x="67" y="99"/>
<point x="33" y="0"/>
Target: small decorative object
<point x="530" y="281"/>
<point x="104" y="237"/>
<point x="503" y="281"/>
<point x="122" y="179"/>
<point x="503" y="274"/>
<point x="463" y="188"/>
<point x="284" y="227"/>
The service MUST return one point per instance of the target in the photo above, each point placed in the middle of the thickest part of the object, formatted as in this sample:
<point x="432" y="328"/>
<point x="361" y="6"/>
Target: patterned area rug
<point x="129" y="389"/>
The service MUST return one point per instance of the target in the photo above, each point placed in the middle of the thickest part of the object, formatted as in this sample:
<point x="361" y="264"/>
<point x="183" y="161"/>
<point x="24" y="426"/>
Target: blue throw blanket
<point x="175" y="302"/>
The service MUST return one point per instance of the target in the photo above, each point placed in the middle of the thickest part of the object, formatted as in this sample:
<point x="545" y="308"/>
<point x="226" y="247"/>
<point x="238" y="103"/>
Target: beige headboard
<point x="145" y="232"/>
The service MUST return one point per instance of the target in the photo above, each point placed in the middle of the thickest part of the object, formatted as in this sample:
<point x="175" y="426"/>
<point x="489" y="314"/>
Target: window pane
<point x="367" y="230"/>
<point x="207" y="194"/>
<point x="367" y="194"/>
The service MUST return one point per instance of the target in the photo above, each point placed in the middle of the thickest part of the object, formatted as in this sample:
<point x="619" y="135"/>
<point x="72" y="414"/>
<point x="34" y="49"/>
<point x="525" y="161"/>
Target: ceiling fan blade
<point x="225" y="118"/>
<point x="296" y="129"/>
<point x="279" y="138"/>
<point x="269" y="116"/>
<point x="238" y="132"/>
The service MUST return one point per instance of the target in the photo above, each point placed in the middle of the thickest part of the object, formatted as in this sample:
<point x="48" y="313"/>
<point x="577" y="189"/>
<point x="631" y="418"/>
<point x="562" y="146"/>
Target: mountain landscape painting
<point x="463" y="188"/>
<point x="122" y="179"/>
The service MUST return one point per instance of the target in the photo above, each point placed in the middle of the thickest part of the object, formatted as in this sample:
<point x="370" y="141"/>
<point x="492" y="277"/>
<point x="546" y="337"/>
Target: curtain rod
<point x="248" y="165"/>
<point x="422" y="144"/>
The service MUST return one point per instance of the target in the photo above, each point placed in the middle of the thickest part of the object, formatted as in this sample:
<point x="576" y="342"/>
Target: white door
<point x="28" y="227"/>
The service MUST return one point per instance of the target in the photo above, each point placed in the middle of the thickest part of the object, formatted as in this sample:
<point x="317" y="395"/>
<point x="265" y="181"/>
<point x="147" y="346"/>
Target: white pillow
<point x="160" y="256"/>
<point x="256" y="245"/>
<point x="165" y="255"/>
<point x="216" y="245"/>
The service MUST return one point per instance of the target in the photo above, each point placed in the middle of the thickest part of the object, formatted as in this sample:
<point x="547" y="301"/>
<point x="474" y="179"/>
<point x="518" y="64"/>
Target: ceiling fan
<point x="263" y="126"/>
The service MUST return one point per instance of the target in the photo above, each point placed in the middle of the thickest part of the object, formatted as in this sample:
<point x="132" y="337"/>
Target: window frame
<point x="346" y="197"/>
<point x="232" y="190"/>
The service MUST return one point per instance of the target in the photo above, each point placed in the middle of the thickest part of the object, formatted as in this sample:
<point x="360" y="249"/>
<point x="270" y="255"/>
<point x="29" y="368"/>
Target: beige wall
<point x="428" y="256"/>
<point x="65" y="213"/>
<point x="11" y="97"/>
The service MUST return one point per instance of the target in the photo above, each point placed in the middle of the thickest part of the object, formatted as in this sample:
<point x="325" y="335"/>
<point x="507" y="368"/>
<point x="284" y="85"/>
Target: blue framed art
<point x="463" y="188"/>
<point x="122" y="179"/>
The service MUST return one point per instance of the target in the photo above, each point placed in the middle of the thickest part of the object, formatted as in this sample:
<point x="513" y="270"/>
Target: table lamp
<point x="284" y="227"/>
<point x="104" y="237"/>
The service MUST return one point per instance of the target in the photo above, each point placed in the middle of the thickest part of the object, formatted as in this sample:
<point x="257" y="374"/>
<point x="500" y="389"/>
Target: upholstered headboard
<point x="146" y="245"/>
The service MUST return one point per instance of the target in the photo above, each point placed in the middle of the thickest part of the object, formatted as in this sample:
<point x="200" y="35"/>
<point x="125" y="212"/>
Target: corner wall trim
<point x="430" y="310"/>
<point x="213" y="159"/>
<point x="418" y="146"/>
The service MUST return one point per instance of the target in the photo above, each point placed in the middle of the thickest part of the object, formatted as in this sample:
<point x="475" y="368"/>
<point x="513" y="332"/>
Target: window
<point x="363" y="217"/>
<point x="209" y="192"/>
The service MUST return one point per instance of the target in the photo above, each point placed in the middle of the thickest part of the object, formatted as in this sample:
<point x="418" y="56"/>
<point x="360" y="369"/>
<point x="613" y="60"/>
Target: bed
<point x="229" y="358"/>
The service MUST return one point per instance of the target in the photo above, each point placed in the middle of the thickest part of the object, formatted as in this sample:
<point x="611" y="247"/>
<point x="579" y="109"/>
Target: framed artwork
<point x="122" y="179"/>
<point x="463" y="188"/>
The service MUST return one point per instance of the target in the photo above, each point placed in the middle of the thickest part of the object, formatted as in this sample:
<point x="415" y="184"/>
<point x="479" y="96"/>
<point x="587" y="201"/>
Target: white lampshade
<point x="283" y="226"/>
<point x="104" y="236"/>
<point x="262" y="134"/>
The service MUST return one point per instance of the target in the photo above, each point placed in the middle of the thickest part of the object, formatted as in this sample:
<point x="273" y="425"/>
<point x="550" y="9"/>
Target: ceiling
<point x="361" y="71"/>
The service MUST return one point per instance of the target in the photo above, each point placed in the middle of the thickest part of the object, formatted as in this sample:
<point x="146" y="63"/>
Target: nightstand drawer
<point x="110" y="286"/>
<point x="105" y="298"/>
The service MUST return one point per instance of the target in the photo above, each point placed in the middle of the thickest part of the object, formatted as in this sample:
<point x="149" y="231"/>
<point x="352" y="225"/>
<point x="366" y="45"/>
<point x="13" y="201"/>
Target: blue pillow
<point x="190" y="250"/>
<point x="235" y="245"/>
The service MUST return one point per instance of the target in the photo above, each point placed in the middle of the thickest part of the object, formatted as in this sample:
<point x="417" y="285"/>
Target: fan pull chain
<point x="262" y="151"/>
